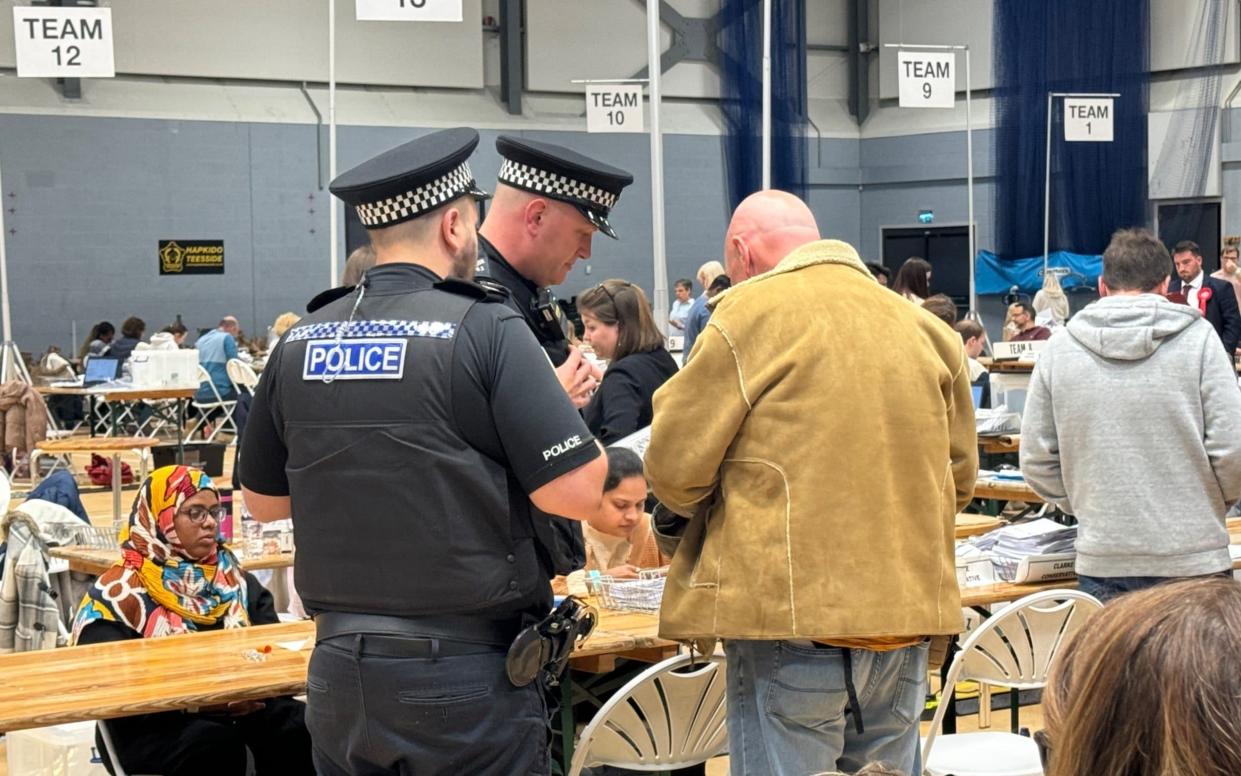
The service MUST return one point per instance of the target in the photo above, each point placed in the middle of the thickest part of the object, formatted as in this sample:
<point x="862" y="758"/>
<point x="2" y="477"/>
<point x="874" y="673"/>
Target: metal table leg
<point x="116" y="494"/>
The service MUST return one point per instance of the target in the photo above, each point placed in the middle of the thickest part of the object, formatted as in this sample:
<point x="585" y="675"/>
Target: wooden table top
<point x="975" y="525"/>
<point x="118" y="679"/>
<point x="99" y="444"/>
<point x="1006" y="490"/>
<point x="1005" y="443"/>
<point x="94" y="560"/>
<point x="119" y="394"/>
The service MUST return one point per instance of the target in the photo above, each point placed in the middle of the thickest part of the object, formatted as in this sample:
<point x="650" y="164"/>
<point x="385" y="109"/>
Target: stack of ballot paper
<point x="1040" y="539"/>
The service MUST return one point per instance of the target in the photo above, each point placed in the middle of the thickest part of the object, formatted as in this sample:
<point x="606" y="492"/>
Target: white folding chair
<point x="242" y="376"/>
<point x="672" y="715"/>
<point x="1013" y="647"/>
<point x="225" y="421"/>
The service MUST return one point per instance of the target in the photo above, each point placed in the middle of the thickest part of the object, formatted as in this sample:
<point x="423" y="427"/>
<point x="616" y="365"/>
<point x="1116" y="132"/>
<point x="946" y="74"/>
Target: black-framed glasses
<point x="197" y="514"/>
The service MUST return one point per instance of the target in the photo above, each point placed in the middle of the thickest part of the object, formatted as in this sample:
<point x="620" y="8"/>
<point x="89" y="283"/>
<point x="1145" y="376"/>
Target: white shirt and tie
<point x="1191" y="289"/>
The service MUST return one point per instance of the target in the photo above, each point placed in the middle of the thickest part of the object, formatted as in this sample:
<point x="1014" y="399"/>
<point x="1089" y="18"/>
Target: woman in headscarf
<point x="175" y="575"/>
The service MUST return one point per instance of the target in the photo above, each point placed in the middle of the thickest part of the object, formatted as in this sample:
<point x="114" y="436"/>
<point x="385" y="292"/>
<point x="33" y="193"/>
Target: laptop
<point x="101" y="370"/>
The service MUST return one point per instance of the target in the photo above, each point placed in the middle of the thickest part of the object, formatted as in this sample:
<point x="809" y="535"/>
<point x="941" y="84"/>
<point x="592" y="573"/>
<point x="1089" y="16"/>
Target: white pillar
<point x="5" y="315"/>
<point x="766" y="94"/>
<point x="333" y="207"/>
<point x="659" y="261"/>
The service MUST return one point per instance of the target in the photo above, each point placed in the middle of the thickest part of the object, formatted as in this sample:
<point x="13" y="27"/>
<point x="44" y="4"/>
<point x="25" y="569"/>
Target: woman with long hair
<point x="1151" y="687"/>
<point x="620" y="328"/>
<point x="98" y="340"/>
<point x="913" y="280"/>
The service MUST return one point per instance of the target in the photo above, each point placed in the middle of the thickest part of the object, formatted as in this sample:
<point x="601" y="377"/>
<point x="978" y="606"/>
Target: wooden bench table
<point x="999" y="445"/>
<point x="94" y="560"/>
<point x="105" y="445"/>
<point x="143" y="676"/>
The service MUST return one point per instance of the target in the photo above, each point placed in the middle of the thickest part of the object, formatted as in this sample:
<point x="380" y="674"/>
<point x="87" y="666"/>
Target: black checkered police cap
<point x="559" y="173"/>
<point x="412" y="179"/>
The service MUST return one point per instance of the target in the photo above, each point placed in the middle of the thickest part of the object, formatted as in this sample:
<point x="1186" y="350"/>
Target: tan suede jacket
<point x="833" y="445"/>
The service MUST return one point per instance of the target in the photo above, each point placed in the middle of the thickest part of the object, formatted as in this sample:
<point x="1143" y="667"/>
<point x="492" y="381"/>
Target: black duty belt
<point x="429" y="636"/>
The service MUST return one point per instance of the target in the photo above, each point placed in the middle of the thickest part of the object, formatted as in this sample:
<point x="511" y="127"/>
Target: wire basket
<point x="643" y="594"/>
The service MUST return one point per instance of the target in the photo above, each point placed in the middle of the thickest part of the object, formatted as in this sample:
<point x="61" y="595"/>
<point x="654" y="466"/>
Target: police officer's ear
<point x="536" y="211"/>
<point x="457" y="224"/>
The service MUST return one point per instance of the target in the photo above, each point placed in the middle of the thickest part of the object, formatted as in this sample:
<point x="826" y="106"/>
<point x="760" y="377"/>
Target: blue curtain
<point x="1068" y="46"/>
<point x="741" y="81"/>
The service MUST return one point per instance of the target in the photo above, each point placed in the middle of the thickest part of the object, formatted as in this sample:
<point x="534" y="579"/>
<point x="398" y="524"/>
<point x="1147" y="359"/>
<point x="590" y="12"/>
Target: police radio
<point x="552" y="323"/>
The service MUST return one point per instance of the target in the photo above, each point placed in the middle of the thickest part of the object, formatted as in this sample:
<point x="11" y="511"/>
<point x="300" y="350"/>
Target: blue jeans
<point x="371" y="715"/>
<point x="787" y="704"/>
<point x="1107" y="588"/>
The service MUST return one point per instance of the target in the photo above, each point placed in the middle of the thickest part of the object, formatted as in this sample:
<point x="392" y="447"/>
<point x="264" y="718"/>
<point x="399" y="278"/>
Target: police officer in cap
<point x="549" y="203"/>
<point x="407" y="427"/>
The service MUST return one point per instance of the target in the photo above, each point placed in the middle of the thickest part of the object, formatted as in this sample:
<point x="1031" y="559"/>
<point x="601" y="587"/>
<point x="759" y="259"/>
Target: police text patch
<point x="374" y="358"/>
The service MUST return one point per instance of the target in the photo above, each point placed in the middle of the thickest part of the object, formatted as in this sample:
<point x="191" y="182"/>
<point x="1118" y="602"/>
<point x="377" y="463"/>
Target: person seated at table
<point x="132" y="331"/>
<point x="178" y="332"/>
<point x="283" y="323"/>
<point x="621" y="329"/>
<point x="619" y="541"/>
<point x="942" y="307"/>
<point x="215" y="349"/>
<point x="98" y="341"/>
<point x="175" y="575"/>
<point x="1149" y="687"/>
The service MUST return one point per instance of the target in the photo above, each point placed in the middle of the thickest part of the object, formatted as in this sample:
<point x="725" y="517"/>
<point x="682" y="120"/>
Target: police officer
<point x="407" y="427"/>
<point x="549" y="203"/>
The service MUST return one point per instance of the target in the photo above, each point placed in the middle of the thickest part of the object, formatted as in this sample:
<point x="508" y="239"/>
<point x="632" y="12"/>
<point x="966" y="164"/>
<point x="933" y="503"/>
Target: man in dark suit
<point x="1213" y="297"/>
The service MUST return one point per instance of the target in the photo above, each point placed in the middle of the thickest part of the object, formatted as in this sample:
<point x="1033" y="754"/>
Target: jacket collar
<point x="809" y="255"/>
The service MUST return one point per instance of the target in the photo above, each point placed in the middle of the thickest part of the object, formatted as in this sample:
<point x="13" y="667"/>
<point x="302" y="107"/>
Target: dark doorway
<point x="1197" y="221"/>
<point x="947" y="248"/>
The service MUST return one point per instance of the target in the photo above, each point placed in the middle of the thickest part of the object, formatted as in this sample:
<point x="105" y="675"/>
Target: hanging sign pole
<point x="928" y="80"/>
<point x="1088" y="118"/>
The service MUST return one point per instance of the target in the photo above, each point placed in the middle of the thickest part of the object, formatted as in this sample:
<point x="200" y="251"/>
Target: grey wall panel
<point x="92" y="198"/>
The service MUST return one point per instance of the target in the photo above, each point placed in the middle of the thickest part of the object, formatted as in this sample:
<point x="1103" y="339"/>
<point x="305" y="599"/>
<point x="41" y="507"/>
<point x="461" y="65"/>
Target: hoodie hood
<point x="1129" y="328"/>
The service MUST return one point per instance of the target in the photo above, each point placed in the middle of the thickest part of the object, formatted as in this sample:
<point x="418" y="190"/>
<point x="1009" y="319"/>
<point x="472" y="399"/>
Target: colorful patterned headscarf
<point x="156" y="588"/>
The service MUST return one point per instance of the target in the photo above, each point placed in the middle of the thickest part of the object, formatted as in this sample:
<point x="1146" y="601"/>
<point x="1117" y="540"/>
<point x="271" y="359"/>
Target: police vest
<point x="395" y="513"/>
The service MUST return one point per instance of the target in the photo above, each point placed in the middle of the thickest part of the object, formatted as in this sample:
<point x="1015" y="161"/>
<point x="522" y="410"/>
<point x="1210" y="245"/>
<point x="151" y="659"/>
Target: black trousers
<point x="421" y="716"/>
<point x="214" y="745"/>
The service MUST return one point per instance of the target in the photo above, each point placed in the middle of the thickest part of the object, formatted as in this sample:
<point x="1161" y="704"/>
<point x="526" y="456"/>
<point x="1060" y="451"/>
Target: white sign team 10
<point x="408" y="10"/>
<point x="614" y="108"/>
<point x="63" y="42"/>
<point x="1088" y="120"/>
<point x="926" y="79"/>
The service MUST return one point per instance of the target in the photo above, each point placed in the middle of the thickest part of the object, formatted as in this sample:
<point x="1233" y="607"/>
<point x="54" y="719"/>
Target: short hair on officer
<point x="408" y="192"/>
<point x="550" y="201"/>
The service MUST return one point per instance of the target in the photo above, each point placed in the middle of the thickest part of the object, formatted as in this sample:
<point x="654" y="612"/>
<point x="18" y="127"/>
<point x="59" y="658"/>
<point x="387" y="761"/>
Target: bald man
<point x="832" y="445"/>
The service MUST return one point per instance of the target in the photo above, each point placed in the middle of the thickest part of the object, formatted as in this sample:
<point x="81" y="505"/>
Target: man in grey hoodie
<point x="1133" y="424"/>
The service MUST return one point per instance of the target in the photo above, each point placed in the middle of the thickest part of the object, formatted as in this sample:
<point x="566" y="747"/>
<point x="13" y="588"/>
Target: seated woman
<point x="619" y="541"/>
<point x="175" y="575"/>
<point x="620" y="328"/>
<point x="1149" y="687"/>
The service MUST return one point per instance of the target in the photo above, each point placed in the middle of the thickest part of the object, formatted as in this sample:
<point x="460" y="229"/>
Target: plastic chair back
<point x="1016" y="646"/>
<point x="242" y="375"/>
<point x="670" y="716"/>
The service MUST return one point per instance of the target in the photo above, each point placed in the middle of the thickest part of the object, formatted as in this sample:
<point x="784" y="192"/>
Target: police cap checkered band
<point x="411" y="204"/>
<point x="525" y="176"/>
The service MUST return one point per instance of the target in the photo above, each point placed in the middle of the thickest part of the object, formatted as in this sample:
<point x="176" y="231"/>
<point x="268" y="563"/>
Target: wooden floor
<point x="98" y="503"/>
